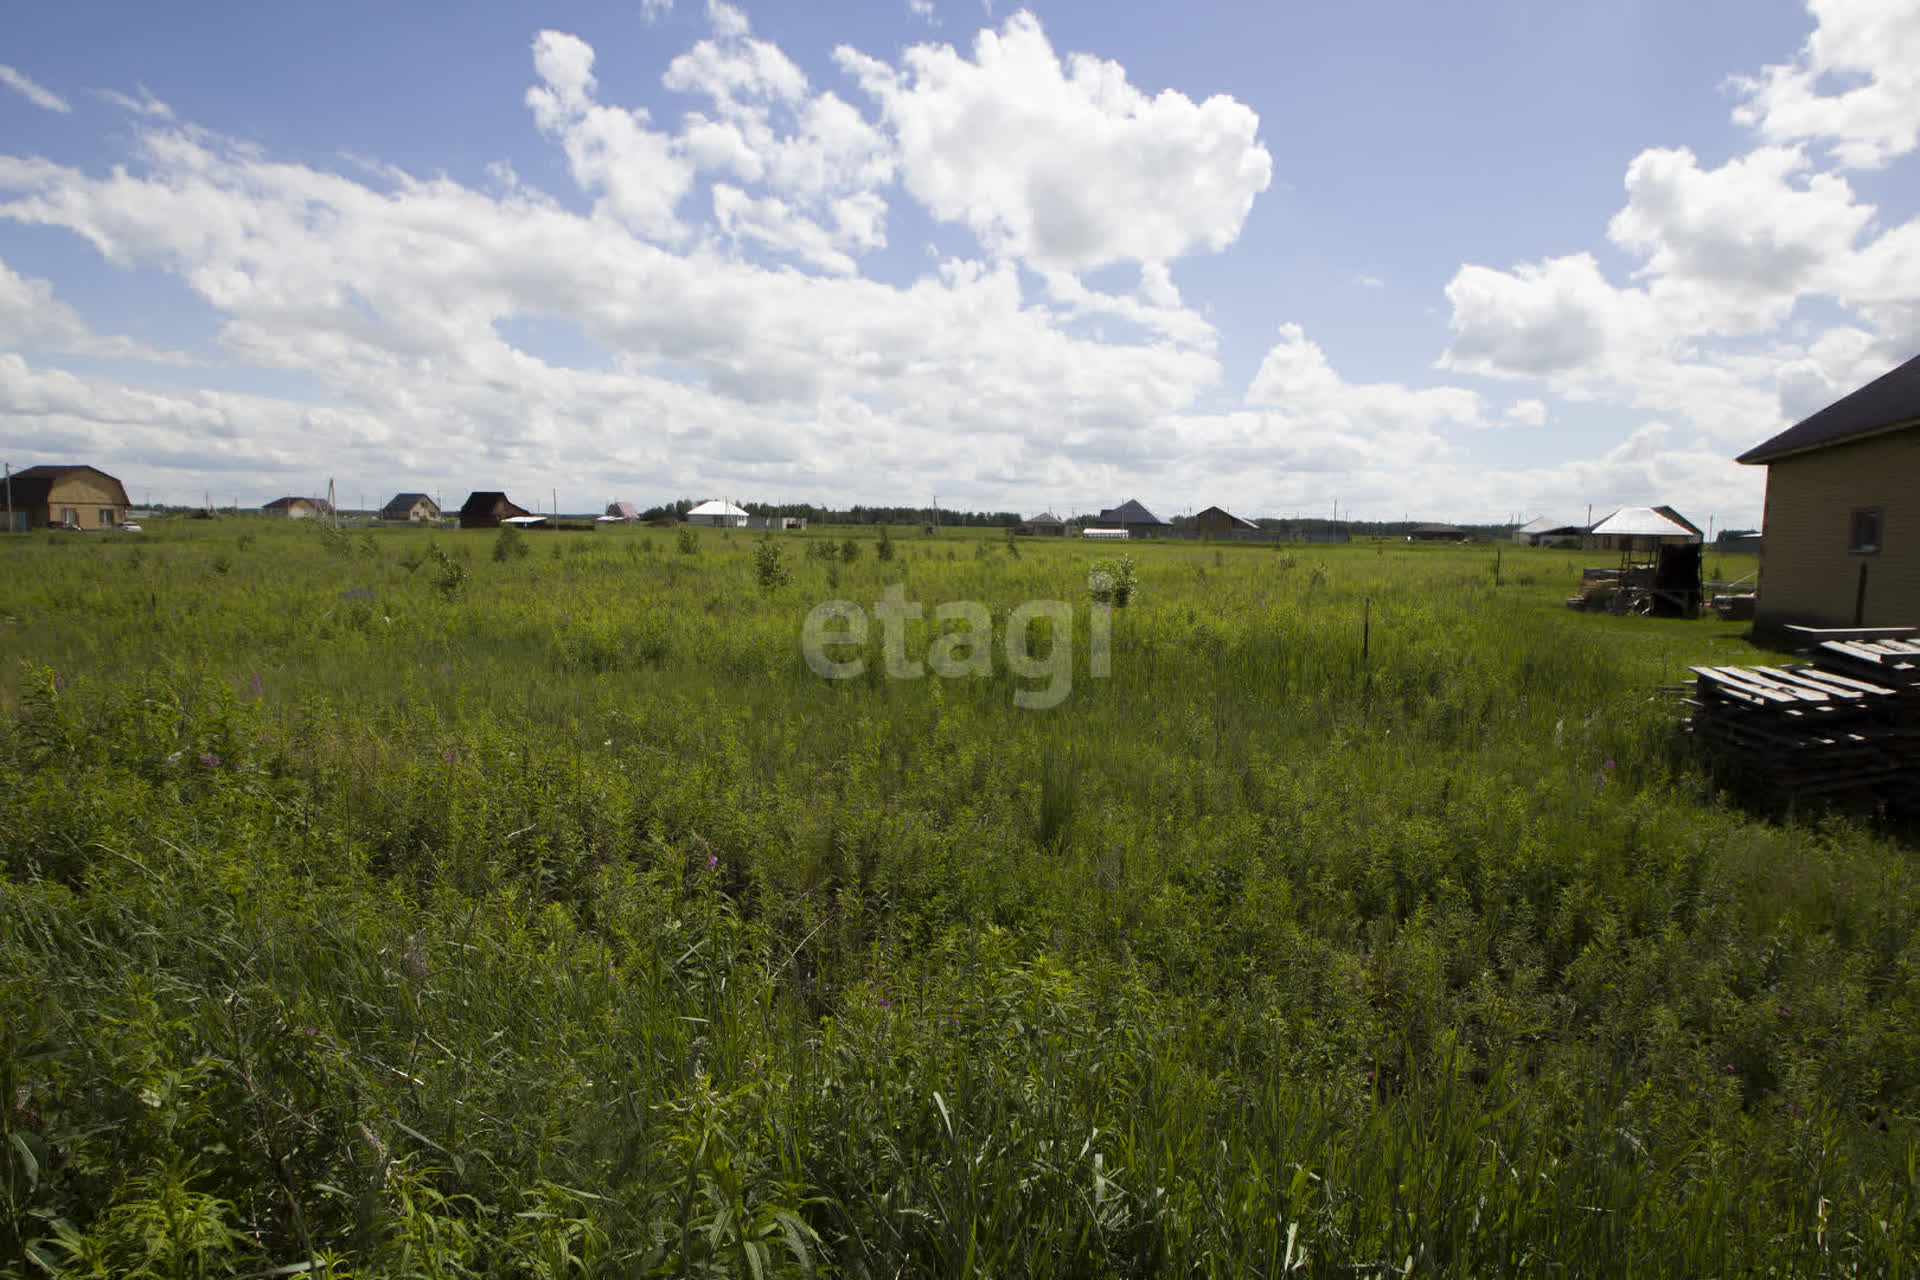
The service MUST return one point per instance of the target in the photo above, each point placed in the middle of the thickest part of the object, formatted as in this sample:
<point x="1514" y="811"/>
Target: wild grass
<point x="382" y="905"/>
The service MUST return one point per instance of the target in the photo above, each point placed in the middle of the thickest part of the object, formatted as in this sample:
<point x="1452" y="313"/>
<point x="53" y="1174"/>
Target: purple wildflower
<point x="713" y="860"/>
<point x="210" y="760"/>
<point x="256" y="684"/>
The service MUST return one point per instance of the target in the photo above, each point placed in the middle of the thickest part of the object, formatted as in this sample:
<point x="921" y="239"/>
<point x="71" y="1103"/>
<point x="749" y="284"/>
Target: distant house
<point x="1640" y="529"/>
<point x="73" y="495"/>
<point x="1548" y="532"/>
<point x="625" y="511"/>
<point x="411" y="508"/>
<point x="1044" y="525"/>
<point x="1842" y="525"/>
<point x="722" y="514"/>
<point x="1134" y="520"/>
<point x="298" y="508"/>
<point x="1216" y="521"/>
<point x="1437" y="533"/>
<point x="486" y="508"/>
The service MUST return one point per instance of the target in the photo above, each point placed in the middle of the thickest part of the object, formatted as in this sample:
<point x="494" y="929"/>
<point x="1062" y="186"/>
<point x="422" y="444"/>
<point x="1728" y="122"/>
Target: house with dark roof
<point x="1216" y="522"/>
<point x="1437" y="533"/>
<point x="411" y="508"/>
<point x="71" y="495"/>
<point x="1135" y="520"/>
<point x="298" y="508"/>
<point x="1044" y="525"/>
<point x="486" y="508"/>
<point x="1842" y="524"/>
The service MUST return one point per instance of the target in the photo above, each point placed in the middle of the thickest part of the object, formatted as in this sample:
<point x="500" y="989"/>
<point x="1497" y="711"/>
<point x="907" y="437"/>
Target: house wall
<point x="1807" y="574"/>
<point x="1216" y="522"/>
<point x="90" y="499"/>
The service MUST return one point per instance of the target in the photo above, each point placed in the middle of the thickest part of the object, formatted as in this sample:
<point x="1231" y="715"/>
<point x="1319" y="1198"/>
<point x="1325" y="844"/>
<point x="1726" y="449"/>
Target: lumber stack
<point x="1846" y="725"/>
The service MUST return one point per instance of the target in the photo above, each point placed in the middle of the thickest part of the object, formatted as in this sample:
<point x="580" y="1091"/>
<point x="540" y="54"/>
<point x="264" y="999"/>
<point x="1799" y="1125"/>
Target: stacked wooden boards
<point x="1845" y="725"/>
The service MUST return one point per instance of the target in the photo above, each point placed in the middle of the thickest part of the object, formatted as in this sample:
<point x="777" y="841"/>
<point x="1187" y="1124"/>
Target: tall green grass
<point x="376" y="906"/>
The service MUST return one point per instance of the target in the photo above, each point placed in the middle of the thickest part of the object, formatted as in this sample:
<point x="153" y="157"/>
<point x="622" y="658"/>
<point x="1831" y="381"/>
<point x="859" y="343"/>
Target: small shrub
<point x="768" y="568"/>
<point x="687" y="541"/>
<point x="849" y="550"/>
<point x="883" y="550"/>
<point x="1112" y="583"/>
<point x="450" y="576"/>
<point x="511" y="544"/>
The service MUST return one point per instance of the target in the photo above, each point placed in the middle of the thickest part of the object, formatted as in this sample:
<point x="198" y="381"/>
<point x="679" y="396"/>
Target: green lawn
<point x="400" y="903"/>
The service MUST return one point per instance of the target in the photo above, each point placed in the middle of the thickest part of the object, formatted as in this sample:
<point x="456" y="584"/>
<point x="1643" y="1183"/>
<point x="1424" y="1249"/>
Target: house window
<point x="69" y="516"/>
<point x="106" y="517"/>
<point x="1865" y="537"/>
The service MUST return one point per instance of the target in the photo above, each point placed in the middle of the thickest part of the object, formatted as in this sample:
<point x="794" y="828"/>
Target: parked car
<point x="128" y="526"/>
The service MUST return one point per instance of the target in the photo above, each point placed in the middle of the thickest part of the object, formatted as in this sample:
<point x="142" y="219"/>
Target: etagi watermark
<point x="962" y="647"/>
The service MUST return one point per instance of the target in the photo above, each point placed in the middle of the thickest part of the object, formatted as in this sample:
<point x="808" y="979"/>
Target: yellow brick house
<point x="71" y="496"/>
<point x="1842" y="529"/>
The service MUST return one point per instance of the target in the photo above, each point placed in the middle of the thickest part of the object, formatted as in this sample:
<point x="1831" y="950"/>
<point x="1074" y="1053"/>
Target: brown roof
<point x="31" y="487"/>
<point x="1890" y="401"/>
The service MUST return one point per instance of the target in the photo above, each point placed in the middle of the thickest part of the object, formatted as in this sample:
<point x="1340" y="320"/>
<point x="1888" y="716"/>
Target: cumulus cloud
<point x="638" y="173"/>
<point x="1730" y="249"/>
<point x="1065" y="164"/>
<point x="1726" y="257"/>
<point x="1855" y="85"/>
<point x="1529" y="412"/>
<point x="1307" y="398"/>
<point x="38" y="94"/>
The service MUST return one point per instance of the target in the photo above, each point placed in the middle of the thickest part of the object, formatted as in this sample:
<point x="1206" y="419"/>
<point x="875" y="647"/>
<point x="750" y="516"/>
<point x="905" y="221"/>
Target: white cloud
<point x="1065" y="165"/>
<point x="923" y="10"/>
<point x="1730" y="249"/>
<point x="638" y="173"/>
<point x="1366" y="281"/>
<point x="1309" y="398"/>
<point x="653" y="12"/>
<point x="1529" y="412"/>
<point x="144" y="105"/>
<point x="1871" y="49"/>
<point x="1540" y="319"/>
<point x="39" y="95"/>
<point x="31" y="316"/>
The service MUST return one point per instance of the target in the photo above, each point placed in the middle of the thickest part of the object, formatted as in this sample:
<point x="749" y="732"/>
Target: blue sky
<point x="1466" y="262"/>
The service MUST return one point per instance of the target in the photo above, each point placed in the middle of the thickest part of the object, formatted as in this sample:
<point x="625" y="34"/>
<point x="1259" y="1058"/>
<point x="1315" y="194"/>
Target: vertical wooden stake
<point x="1366" y="630"/>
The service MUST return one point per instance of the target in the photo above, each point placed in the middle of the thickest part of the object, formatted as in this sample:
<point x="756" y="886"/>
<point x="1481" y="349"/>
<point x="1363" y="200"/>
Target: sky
<point x="1481" y="261"/>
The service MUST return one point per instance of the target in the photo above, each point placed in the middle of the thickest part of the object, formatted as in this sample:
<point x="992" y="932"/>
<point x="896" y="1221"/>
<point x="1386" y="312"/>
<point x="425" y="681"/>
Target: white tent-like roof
<point x="716" y="508"/>
<point x="1640" y="522"/>
<point x="1543" y="524"/>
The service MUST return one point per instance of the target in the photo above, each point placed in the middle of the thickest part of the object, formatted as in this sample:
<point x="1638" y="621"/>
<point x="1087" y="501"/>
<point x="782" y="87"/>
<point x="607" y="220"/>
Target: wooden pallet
<point x="1845" y="725"/>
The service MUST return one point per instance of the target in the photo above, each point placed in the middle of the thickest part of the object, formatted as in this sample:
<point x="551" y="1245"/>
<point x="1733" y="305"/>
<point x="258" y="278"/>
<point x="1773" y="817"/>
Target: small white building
<point x="723" y="514"/>
<point x="1548" y="532"/>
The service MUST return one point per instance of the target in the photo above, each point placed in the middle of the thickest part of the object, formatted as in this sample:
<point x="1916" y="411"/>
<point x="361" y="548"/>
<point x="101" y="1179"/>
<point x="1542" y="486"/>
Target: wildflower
<point x="713" y="860"/>
<point x="452" y="755"/>
<point x="256" y="684"/>
<point x="1607" y="765"/>
<point x="210" y="760"/>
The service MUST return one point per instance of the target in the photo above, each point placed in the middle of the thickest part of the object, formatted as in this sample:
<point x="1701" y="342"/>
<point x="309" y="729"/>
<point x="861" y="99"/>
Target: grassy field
<point x="438" y="904"/>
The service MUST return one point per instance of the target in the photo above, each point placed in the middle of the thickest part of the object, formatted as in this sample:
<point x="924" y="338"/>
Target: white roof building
<point x="717" y="512"/>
